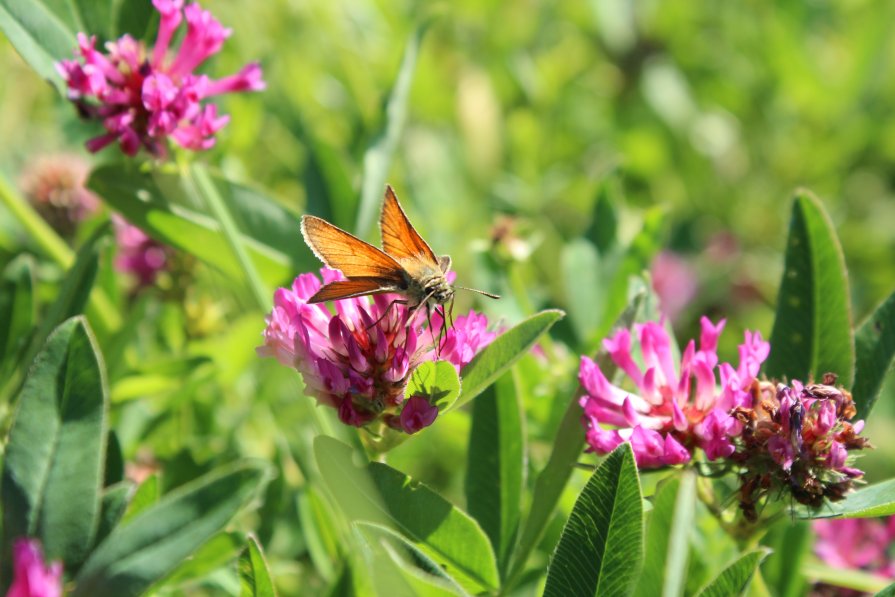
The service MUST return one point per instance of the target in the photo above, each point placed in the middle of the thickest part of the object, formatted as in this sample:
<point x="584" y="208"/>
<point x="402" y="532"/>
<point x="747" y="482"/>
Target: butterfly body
<point x="405" y="265"/>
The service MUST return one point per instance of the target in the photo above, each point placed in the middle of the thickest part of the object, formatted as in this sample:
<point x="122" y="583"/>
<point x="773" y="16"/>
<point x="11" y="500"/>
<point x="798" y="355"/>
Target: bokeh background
<point x="530" y="125"/>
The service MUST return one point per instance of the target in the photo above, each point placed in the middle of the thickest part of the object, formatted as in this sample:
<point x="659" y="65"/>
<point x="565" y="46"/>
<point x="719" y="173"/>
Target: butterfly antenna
<point x="482" y="292"/>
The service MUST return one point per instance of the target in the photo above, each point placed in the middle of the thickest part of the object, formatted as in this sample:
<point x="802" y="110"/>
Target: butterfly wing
<point x="342" y="289"/>
<point x="399" y="238"/>
<point x="350" y="255"/>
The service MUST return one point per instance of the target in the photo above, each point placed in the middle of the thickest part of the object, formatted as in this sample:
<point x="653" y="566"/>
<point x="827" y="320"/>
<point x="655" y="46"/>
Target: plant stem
<point x="204" y="186"/>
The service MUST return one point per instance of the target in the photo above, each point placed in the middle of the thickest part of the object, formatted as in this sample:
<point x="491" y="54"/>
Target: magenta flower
<point x="417" y="414"/>
<point x="465" y="339"/>
<point x="31" y="576"/>
<point x="674" y="408"/>
<point x="144" y="97"/>
<point x="138" y="255"/>
<point x="675" y="281"/>
<point x="856" y="544"/>
<point x="359" y="359"/>
<point x="797" y="438"/>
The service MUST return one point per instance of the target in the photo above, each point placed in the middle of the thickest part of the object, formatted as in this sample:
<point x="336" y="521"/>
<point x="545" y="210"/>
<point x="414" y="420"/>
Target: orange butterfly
<point x="406" y="265"/>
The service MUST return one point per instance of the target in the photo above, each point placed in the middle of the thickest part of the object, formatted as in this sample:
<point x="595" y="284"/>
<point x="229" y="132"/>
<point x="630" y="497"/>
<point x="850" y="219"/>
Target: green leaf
<point x="874" y="350"/>
<point x="437" y="381"/>
<point x="42" y="31"/>
<point x="812" y="332"/>
<point x="219" y="551"/>
<point x="584" y="296"/>
<point x="254" y="574"/>
<point x="158" y="202"/>
<point x="603" y="228"/>
<point x="637" y="258"/>
<point x="567" y="447"/>
<point x="868" y="502"/>
<point x="501" y="354"/>
<point x="115" y="498"/>
<point x="19" y="309"/>
<point x="398" y="567"/>
<point x="318" y="530"/>
<point x="668" y="538"/>
<point x="887" y="592"/>
<point x="859" y="581"/>
<point x="382" y="495"/>
<point x="782" y="570"/>
<point x="601" y="547"/>
<point x="146" y="495"/>
<point x="75" y="289"/>
<point x="152" y="543"/>
<point x="734" y="579"/>
<point x="494" y="469"/>
<point x="378" y="157"/>
<point x="53" y="466"/>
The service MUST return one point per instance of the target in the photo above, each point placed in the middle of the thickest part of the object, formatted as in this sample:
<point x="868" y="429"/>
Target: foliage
<point x="555" y="153"/>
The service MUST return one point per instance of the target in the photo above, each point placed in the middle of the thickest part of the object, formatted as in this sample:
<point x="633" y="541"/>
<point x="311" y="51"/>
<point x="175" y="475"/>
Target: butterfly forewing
<point x="399" y="238"/>
<point x="350" y="255"/>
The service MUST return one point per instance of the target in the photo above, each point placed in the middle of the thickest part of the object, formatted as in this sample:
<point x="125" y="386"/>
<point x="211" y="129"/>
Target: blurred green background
<point x="525" y="120"/>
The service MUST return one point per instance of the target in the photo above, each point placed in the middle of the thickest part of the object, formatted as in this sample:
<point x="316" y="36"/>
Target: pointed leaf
<point x="494" y="470"/>
<point x="53" y="466"/>
<point x="668" y="538"/>
<point x="380" y="494"/>
<point x="501" y="354"/>
<point x="438" y="381"/>
<point x="874" y="351"/>
<point x="146" y="494"/>
<point x="812" y="332"/>
<point x="378" y="157"/>
<point x="18" y="307"/>
<point x="601" y="547"/>
<point x="43" y="32"/>
<point x="114" y="504"/>
<point x="254" y="574"/>
<point x="584" y="295"/>
<point x="567" y="447"/>
<point x="151" y="544"/>
<point x="734" y="579"/>
<point x="603" y="229"/>
<point x="869" y="502"/>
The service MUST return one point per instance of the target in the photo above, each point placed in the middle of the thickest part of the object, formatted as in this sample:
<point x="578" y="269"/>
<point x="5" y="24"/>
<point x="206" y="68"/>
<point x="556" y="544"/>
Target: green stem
<point x="99" y="308"/>
<point x="203" y="184"/>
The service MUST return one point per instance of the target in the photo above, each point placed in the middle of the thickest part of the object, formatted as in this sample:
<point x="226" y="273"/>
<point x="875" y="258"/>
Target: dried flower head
<point x="358" y="360"/>
<point x="797" y="438"/>
<point x="145" y="96"/>
<point x="55" y="186"/>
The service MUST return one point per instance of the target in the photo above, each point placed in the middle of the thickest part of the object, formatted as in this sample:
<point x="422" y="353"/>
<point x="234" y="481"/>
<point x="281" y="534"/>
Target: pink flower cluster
<point x="31" y="576"/>
<point x="145" y="97"/>
<point x="673" y="408"/>
<point x="857" y="544"/>
<point x="359" y="359"/>
<point x="138" y="255"/>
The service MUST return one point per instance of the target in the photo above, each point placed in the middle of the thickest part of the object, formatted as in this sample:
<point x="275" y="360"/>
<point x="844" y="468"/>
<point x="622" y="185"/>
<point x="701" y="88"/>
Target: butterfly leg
<point x="387" y="309"/>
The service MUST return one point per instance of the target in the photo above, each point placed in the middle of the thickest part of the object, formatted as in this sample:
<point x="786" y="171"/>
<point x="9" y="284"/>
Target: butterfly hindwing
<point x="342" y="289"/>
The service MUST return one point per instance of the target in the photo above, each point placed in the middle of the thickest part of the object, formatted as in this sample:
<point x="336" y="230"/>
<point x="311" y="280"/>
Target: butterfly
<point x="405" y="265"/>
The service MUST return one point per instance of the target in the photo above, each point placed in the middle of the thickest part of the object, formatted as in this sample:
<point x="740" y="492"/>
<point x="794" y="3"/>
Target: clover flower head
<point x="359" y="359"/>
<point x="145" y="96"/>
<point x="797" y="438"/>
<point x="56" y="187"/>
<point x="674" y="407"/>
<point x="856" y="544"/>
<point x="32" y="577"/>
